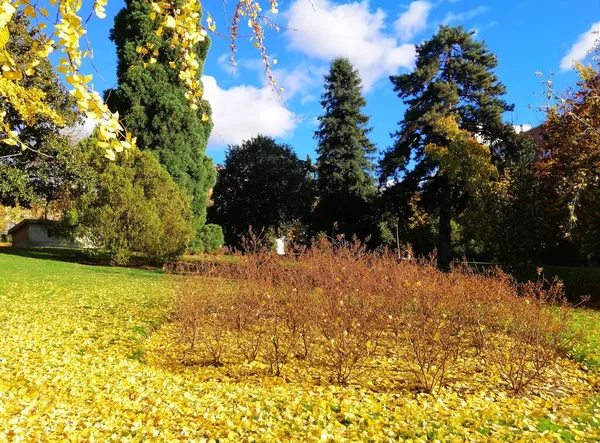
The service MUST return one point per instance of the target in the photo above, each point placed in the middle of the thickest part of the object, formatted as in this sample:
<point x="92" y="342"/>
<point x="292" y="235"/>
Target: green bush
<point x="209" y="238"/>
<point x="134" y="206"/>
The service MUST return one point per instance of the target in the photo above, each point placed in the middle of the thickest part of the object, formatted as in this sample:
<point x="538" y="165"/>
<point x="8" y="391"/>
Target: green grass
<point x="587" y="323"/>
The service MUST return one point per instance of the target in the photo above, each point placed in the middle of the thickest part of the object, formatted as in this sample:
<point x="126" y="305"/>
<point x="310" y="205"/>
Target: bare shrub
<point x="202" y="320"/>
<point x="247" y="320"/>
<point x="280" y="340"/>
<point x="335" y="303"/>
<point x="531" y="334"/>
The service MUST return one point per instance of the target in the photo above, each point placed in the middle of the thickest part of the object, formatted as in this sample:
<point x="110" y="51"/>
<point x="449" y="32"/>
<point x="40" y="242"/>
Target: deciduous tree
<point x="47" y="169"/>
<point x="570" y="162"/>
<point x="263" y="184"/>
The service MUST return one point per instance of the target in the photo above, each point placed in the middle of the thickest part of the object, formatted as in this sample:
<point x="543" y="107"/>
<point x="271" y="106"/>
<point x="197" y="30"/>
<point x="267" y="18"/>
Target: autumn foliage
<point x="344" y="311"/>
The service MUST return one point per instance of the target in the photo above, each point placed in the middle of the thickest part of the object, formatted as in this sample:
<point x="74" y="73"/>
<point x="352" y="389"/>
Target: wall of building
<point x="20" y="238"/>
<point x="33" y="234"/>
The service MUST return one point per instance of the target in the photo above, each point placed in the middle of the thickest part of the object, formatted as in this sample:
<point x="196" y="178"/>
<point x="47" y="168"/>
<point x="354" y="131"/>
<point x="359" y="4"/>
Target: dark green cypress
<point x="453" y="77"/>
<point x="346" y="186"/>
<point x="151" y="99"/>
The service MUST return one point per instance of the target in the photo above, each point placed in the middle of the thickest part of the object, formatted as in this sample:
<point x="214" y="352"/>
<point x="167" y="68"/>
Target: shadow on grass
<point x="72" y="255"/>
<point x="90" y="257"/>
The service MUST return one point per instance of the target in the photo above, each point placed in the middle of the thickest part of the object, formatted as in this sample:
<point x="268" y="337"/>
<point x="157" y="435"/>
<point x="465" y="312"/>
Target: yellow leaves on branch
<point x="29" y="103"/>
<point x="463" y="157"/>
<point x="180" y="22"/>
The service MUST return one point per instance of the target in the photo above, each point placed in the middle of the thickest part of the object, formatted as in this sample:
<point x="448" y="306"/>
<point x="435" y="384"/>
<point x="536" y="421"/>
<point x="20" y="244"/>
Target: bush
<point x="208" y="239"/>
<point x="133" y="207"/>
<point x="344" y="310"/>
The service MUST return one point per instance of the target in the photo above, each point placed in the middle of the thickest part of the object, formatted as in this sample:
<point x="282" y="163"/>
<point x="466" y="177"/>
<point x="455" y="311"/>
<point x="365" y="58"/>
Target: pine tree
<point x="152" y="101"/>
<point x="453" y="78"/>
<point x="345" y="184"/>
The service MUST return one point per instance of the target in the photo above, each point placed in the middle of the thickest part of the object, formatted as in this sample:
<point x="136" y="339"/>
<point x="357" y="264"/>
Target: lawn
<point x="87" y="354"/>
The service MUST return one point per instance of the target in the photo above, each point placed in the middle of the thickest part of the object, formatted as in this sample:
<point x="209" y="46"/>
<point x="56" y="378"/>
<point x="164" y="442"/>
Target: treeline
<point x="456" y="180"/>
<point x="149" y="202"/>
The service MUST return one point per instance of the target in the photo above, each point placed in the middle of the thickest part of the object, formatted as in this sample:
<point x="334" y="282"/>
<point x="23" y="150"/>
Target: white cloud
<point x="242" y="112"/>
<point x="298" y="80"/>
<point x="581" y="47"/>
<point x="452" y="17"/>
<point x="352" y="30"/>
<point x="413" y="21"/>
<point x="224" y="63"/>
<point x="309" y="98"/>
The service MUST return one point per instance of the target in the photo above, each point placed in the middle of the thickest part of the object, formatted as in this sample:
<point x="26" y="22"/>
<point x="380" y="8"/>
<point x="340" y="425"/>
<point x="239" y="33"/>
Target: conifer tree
<point x="345" y="184"/>
<point x="453" y="78"/>
<point x="151" y="99"/>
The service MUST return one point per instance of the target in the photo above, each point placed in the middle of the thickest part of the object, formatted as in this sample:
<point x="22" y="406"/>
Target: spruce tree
<point x="151" y="98"/>
<point x="345" y="184"/>
<point x="453" y="78"/>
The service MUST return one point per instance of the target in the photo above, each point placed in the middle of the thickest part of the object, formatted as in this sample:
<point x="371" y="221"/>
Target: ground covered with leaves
<point x="87" y="354"/>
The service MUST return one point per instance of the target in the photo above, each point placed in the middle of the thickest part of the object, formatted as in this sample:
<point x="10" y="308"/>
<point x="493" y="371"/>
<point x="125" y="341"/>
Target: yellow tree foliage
<point x="570" y="140"/>
<point x="180" y="22"/>
<point x="464" y="159"/>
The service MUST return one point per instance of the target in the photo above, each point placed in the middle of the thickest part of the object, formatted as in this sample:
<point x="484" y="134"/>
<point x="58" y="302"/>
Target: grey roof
<point x="31" y="221"/>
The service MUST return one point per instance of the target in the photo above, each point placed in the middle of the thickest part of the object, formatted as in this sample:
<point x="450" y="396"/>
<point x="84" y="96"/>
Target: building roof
<point x="31" y="221"/>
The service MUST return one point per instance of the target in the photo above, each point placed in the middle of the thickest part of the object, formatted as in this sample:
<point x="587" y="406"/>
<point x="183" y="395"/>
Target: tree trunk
<point x="444" y="253"/>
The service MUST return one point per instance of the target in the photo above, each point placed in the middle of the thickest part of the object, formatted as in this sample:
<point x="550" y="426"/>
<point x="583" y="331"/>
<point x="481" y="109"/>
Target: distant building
<point x="521" y="129"/>
<point x="37" y="233"/>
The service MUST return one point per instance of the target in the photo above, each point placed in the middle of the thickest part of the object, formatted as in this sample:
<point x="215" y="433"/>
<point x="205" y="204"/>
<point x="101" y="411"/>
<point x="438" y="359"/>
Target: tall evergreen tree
<point x="453" y="78"/>
<point x="345" y="184"/>
<point x="151" y="98"/>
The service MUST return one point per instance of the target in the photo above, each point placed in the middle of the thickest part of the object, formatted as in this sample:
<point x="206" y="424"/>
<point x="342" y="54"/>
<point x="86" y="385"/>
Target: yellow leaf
<point x="170" y="22"/>
<point x="12" y="75"/>
<point x="110" y="154"/>
<point x="29" y="11"/>
<point x="44" y="12"/>
<point x="4" y="36"/>
<point x="172" y="64"/>
<point x="10" y="141"/>
<point x="205" y="118"/>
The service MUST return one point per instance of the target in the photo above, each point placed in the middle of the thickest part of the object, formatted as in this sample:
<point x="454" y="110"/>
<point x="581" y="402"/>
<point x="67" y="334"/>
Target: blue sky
<point x="378" y="36"/>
